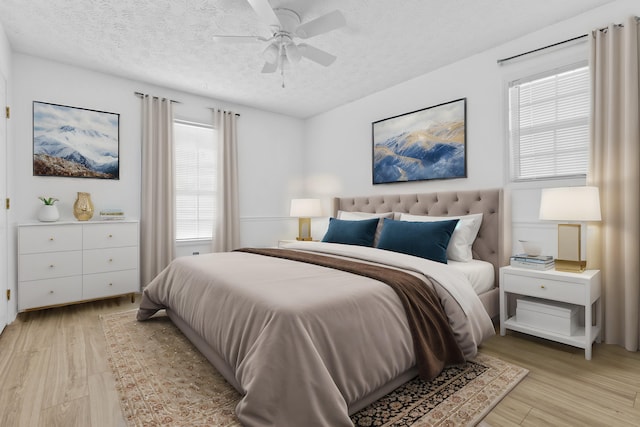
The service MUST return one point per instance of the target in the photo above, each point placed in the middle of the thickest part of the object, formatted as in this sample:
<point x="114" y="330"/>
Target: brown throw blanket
<point x="433" y="340"/>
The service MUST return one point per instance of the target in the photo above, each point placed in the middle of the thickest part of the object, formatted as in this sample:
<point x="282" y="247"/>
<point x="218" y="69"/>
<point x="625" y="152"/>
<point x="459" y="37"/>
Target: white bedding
<point x="480" y="274"/>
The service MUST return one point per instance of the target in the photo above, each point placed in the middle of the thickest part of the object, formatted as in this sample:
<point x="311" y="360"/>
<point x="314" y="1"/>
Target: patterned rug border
<point x="147" y="400"/>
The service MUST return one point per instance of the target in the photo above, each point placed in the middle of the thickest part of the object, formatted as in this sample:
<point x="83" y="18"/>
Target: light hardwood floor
<point x="564" y="389"/>
<point x="54" y="372"/>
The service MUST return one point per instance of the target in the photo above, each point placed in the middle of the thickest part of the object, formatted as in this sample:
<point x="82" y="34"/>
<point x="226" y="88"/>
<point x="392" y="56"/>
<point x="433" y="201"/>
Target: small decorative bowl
<point x="530" y="248"/>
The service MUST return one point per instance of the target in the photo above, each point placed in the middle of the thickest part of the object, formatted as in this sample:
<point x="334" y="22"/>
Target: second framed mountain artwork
<point x="421" y="145"/>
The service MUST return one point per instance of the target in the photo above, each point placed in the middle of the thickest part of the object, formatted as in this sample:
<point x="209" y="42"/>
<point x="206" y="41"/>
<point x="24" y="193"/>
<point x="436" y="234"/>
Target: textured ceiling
<point x="169" y="42"/>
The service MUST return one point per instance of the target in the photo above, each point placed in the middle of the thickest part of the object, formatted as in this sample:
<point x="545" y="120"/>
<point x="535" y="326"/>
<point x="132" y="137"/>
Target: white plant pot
<point x="48" y="213"/>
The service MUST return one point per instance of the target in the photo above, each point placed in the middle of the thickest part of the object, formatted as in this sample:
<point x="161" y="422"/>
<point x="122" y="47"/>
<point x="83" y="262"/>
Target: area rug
<point x="163" y="380"/>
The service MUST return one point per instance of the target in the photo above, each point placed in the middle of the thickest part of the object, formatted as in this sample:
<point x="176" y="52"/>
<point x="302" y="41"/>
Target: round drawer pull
<point x="50" y="292"/>
<point x="110" y="235"/>
<point x="51" y="239"/>
<point x="541" y="286"/>
<point x="110" y="284"/>
<point x="110" y="259"/>
<point x="51" y="265"/>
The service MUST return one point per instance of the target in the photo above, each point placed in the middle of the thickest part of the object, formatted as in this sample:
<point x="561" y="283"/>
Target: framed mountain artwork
<point x="421" y="145"/>
<point x="75" y="142"/>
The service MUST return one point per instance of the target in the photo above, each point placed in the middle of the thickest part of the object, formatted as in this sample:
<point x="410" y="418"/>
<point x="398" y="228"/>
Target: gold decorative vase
<point x="83" y="207"/>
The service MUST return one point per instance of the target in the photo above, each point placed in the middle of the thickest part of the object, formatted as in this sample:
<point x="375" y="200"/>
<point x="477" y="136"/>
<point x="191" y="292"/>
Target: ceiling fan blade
<point x="265" y="12"/>
<point x="316" y="55"/>
<point x="270" y="68"/>
<point x="323" y="24"/>
<point x="238" y="39"/>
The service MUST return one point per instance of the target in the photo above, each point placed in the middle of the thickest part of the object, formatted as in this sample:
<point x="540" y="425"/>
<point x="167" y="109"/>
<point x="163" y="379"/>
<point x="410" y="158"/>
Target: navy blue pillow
<point x="423" y="239"/>
<point x="359" y="233"/>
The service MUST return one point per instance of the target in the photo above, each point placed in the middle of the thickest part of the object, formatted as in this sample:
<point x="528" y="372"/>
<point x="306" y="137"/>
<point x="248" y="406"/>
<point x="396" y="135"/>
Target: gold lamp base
<point x="570" y="266"/>
<point x="569" y="245"/>
<point x="304" y="229"/>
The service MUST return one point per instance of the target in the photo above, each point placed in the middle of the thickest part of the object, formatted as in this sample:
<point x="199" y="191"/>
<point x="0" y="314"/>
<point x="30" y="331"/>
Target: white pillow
<point x="459" y="248"/>
<point x="358" y="216"/>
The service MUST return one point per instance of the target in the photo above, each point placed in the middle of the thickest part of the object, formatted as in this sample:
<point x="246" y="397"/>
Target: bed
<point x="309" y="345"/>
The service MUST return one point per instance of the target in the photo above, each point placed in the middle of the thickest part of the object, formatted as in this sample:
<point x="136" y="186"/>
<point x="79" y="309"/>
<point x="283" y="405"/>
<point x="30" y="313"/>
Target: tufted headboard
<point x="488" y="246"/>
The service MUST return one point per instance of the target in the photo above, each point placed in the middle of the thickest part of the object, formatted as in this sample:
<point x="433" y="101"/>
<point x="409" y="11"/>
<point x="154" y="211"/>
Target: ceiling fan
<point x="286" y="26"/>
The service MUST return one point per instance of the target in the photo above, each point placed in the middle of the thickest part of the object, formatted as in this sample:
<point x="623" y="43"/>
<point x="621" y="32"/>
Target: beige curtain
<point x="157" y="224"/>
<point x="614" y="165"/>
<point x="227" y="225"/>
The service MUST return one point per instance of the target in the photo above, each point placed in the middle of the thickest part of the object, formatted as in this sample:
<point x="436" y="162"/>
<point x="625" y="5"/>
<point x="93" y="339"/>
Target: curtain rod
<point x="142" y="95"/>
<point x="214" y="109"/>
<point x="501" y="61"/>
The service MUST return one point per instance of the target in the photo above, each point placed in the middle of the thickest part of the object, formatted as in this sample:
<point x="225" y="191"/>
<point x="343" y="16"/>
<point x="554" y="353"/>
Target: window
<point x="195" y="164"/>
<point x="549" y="124"/>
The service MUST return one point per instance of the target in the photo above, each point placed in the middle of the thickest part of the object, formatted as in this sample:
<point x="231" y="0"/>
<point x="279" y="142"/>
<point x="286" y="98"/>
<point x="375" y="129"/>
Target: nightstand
<point x="285" y="241"/>
<point x="579" y="289"/>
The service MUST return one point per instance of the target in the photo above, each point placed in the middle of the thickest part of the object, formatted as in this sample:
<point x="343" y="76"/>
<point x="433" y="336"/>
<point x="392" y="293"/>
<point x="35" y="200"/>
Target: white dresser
<point x="68" y="262"/>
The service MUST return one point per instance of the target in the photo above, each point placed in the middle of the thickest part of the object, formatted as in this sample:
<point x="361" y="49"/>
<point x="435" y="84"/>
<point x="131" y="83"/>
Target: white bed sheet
<point x="480" y="273"/>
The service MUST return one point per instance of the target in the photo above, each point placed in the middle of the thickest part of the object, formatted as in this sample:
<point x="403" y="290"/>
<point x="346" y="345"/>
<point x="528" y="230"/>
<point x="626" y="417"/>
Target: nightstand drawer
<point x="556" y="290"/>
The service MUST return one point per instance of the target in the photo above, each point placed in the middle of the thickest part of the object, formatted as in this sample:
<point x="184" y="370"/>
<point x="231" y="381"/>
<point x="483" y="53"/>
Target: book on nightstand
<point x="540" y="262"/>
<point x="111" y="215"/>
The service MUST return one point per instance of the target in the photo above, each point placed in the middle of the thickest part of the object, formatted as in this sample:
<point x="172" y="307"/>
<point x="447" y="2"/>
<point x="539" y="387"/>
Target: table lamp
<point x="577" y="204"/>
<point x="304" y="209"/>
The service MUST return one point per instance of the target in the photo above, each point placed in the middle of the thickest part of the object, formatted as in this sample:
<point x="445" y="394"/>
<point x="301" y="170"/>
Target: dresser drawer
<point x="49" y="265"/>
<point x="115" y="283"/>
<point x="43" y="293"/>
<point x="51" y="238"/>
<point x="556" y="290"/>
<point x="111" y="259"/>
<point x="110" y="235"/>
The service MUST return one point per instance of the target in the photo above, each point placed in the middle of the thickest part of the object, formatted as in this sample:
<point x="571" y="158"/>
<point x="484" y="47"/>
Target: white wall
<point x="269" y="151"/>
<point x="5" y="54"/>
<point x="338" y="143"/>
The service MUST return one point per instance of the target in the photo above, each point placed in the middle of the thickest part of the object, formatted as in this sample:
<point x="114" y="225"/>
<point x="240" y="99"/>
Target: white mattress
<point x="480" y="274"/>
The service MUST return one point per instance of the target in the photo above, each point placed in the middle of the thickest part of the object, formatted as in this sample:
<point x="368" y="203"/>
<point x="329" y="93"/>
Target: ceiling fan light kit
<point x="285" y="24"/>
<point x="271" y="53"/>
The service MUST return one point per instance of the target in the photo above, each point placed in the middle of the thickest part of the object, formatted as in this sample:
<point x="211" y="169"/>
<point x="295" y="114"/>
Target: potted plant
<point x="48" y="211"/>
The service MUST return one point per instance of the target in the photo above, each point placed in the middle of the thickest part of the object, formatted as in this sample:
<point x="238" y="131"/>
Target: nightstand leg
<point x="599" y="320"/>
<point x="503" y="314"/>
<point x="588" y="330"/>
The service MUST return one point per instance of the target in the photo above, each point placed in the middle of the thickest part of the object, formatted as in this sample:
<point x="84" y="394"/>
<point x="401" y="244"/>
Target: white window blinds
<point x="549" y="124"/>
<point x="195" y="166"/>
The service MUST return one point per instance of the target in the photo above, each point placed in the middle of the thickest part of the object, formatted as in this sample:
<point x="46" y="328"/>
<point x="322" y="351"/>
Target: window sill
<point x="190" y="242"/>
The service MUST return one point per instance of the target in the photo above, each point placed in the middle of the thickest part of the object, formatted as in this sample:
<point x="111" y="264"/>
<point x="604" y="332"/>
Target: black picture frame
<point x="426" y="144"/>
<point x="75" y="142"/>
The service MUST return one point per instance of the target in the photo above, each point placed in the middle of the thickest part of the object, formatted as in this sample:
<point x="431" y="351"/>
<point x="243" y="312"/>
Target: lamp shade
<point x="305" y="208"/>
<point x="570" y="204"/>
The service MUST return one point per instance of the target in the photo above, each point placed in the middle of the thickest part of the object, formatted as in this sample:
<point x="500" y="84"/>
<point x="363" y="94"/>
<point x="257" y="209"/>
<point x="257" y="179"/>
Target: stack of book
<point x="111" y="214"/>
<point x="540" y="262"/>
